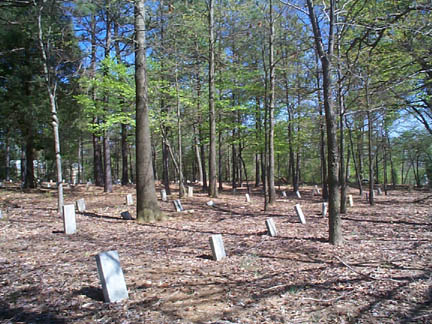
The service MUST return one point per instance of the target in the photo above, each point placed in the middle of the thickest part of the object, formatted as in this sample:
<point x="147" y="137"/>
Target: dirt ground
<point x="381" y="274"/>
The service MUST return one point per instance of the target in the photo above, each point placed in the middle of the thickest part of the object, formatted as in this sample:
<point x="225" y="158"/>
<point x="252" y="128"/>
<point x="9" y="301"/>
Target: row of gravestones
<point x="111" y="274"/>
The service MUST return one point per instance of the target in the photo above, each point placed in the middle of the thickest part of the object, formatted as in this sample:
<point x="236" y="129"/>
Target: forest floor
<point x="381" y="274"/>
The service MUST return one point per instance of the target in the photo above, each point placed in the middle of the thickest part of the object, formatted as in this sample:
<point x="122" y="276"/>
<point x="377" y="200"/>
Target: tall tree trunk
<point x="29" y="179"/>
<point x="147" y="207"/>
<point x="335" y="228"/>
<point x="271" y="158"/>
<point x="106" y="133"/>
<point x="359" y="182"/>
<point x="179" y="139"/>
<point x="7" y="156"/>
<point x="123" y="129"/>
<point x="212" y="113"/>
<point x="197" y="153"/>
<point x="51" y="86"/>
<point x="371" y="169"/>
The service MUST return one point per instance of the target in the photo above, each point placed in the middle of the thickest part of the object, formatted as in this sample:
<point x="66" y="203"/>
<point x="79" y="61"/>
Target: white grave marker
<point x="271" y="227"/>
<point x="1" y="215"/>
<point x="164" y="195"/>
<point x="248" y="200"/>
<point x="210" y="203"/>
<point x="129" y="200"/>
<point x="379" y="191"/>
<point x="299" y="212"/>
<point x="69" y="222"/>
<point x="178" y="206"/>
<point x="217" y="246"/>
<point x="111" y="276"/>
<point x="190" y="192"/>
<point x="298" y="194"/>
<point x="350" y="200"/>
<point x="324" y="209"/>
<point x="284" y="194"/>
<point x="80" y="204"/>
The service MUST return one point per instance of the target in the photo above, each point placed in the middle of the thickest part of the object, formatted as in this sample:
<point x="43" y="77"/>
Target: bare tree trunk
<point x="335" y="228"/>
<point x="51" y="85"/>
<point x="7" y="156"/>
<point x="147" y="206"/>
<point x="271" y="161"/>
<point x="179" y="140"/>
<point x="212" y="113"/>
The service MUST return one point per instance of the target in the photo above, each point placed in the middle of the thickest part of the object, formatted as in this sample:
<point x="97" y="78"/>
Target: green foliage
<point x="108" y="98"/>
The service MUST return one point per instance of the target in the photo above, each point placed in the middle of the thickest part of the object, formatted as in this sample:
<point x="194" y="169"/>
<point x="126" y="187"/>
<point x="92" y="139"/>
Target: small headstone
<point x="284" y="194"/>
<point x="80" y="204"/>
<point x="178" y="206"/>
<point x="299" y="212"/>
<point x="126" y="215"/>
<point x="298" y="194"/>
<point x="164" y="195"/>
<point x="190" y="192"/>
<point x="248" y="198"/>
<point x="350" y="200"/>
<point x="217" y="246"/>
<point x="129" y="200"/>
<point x="234" y="191"/>
<point x="1" y="215"/>
<point x="379" y="191"/>
<point x="111" y="276"/>
<point x="49" y="185"/>
<point x="1" y="184"/>
<point x="69" y="222"/>
<point x="271" y="228"/>
<point x="210" y="203"/>
<point x="324" y="209"/>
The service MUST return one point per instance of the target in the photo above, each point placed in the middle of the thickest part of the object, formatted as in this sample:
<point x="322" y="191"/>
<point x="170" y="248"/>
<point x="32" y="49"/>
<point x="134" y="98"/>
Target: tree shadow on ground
<point x="376" y="221"/>
<point x="94" y="215"/>
<point x="91" y="292"/>
<point x="20" y="315"/>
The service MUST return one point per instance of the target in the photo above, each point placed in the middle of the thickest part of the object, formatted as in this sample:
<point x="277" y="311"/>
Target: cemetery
<point x="215" y="162"/>
<point x="227" y="262"/>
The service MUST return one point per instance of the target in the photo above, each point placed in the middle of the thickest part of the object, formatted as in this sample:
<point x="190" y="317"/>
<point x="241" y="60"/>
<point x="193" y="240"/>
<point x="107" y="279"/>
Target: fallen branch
<point x="352" y="269"/>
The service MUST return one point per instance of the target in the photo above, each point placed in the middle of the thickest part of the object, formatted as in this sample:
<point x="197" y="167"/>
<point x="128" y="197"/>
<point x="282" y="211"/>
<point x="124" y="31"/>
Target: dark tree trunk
<point x="147" y="206"/>
<point x="335" y="228"/>
<point x="107" y="163"/>
<point x="29" y="181"/>
<point x="212" y="112"/>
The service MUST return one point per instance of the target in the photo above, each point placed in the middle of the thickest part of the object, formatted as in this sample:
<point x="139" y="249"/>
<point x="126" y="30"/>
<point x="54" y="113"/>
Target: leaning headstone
<point x="178" y="206"/>
<point x="69" y="222"/>
<point x="126" y="215"/>
<point x="80" y="204"/>
<point x="324" y="209"/>
<point x="379" y="191"/>
<point x="248" y="200"/>
<point x="111" y="276"/>
<point x="284" y="194"/>
<point x="49" y="185"/>
<point x="298" y="194"/>
<point x="350" y="200"/>
<point x="190" y="192"/>
<point x="299" y="212"/>
<point x="210" y="203"/>
<point x="129" y="200"/>
<point x="1" y="215"/>
<point x="164" y="195"/>
<point x="217" y="246"/>
<point x="271" y="228"/>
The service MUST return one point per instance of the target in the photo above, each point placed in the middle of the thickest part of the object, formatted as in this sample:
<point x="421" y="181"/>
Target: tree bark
<point x="271" y="161"/>
<point x="335" y="228"/>
<point x="147" y="207"/>
<point x="212" y="113"/>
<point x="51" y="86"/>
